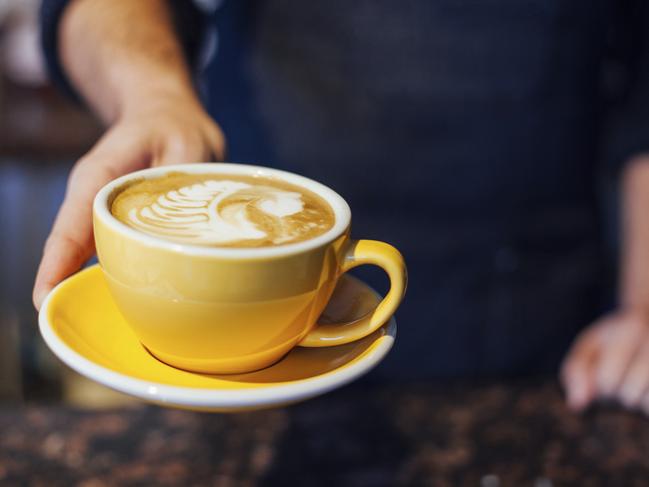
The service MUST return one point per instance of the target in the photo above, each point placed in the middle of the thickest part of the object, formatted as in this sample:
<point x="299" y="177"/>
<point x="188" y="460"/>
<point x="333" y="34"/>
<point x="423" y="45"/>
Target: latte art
<point x="206" y="213"/>
<point x="215" y="210"/>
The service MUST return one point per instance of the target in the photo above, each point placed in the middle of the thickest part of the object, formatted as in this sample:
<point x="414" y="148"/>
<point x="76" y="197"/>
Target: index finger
<point x="70" y="243"/>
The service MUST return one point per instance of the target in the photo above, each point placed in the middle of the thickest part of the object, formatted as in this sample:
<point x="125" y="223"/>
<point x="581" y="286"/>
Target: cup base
<point x="239" y="365"/>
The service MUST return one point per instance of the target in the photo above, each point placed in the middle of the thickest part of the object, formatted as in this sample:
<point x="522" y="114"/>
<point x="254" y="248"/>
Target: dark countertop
<point x="504" y="434"/>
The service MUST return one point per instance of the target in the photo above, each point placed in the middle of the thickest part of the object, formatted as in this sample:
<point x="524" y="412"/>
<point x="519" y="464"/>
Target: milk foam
<point x="217" y="212"/>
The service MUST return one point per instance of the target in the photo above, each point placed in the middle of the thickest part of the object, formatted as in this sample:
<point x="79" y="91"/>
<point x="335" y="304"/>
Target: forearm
<point x="634" y="279"/>
<point x="121" y="53"/>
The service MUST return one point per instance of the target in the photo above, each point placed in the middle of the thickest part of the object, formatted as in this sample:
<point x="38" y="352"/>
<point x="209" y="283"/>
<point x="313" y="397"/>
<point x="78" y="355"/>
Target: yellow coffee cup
<point x="234" y="310"/>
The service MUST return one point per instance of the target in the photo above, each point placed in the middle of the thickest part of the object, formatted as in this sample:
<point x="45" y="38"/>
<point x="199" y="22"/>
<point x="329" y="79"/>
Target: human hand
<point x="610" y="360"/>
<point x="169" y="130"/>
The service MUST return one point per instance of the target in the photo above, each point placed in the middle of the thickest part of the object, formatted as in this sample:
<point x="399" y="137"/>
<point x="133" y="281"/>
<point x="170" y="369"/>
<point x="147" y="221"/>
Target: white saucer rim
<point x="203" y="398"/>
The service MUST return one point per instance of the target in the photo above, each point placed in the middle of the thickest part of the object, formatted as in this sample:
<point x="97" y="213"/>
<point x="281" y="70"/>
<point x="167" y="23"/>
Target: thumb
<point x="579" y="369"/>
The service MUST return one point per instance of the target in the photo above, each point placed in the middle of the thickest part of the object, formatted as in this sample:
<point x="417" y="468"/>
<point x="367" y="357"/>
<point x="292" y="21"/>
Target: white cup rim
<point x="340" y="207"/>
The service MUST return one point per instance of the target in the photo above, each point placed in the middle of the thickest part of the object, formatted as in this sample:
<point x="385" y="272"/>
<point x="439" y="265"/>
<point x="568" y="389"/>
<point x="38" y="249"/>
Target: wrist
<point x="151" y="96"/>
<point x="121" y="55"/>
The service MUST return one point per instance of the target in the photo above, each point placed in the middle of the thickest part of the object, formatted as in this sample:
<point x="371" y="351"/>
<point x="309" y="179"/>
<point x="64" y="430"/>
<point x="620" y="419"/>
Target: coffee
<point x="232" y="310"/>
<point x="221" y="210"/>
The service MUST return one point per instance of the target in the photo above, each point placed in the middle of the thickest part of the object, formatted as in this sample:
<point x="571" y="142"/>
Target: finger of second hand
<point x="578" y="369"/>
<point x="635" y="383"/>
<point x="619" y="345"/>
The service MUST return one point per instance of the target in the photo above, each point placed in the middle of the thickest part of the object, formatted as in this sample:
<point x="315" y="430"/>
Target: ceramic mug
<point x="235" y="310"/>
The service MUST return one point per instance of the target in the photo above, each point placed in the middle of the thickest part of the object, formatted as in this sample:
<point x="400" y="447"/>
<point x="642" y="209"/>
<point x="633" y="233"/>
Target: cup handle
<point x="361" y="252"/>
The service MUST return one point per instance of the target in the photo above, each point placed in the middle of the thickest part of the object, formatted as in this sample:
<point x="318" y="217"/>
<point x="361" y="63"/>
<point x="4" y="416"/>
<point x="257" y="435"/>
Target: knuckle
<point x="106" y="173"/>
<point x="180" y="141"/>
<point x="218" y="145"/>
<point x="78" y="171"/>
<point x="78" y="248"/>
<point x="89" y="174"/>
<point x="216" y="134"/>
<point x="81" y="171"/>
<point x="192" y="146"/>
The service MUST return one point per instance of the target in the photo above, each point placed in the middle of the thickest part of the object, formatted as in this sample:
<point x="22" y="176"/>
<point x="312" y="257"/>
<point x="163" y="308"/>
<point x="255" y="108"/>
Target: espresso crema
<point x="222" y="210"/>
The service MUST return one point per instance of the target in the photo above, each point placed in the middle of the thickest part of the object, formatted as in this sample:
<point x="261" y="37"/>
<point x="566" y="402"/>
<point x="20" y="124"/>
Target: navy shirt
<point x="473" y="135"/>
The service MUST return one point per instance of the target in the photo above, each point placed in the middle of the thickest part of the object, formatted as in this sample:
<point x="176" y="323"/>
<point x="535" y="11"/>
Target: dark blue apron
<point x="466" y="133"/>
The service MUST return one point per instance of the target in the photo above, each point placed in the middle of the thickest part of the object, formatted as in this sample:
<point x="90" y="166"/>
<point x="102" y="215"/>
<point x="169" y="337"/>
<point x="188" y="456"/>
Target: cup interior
<point x="339" y="206"/>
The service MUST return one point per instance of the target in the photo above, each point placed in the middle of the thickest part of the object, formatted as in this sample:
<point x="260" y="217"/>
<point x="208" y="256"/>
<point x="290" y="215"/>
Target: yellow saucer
<point x="82" y="326"/>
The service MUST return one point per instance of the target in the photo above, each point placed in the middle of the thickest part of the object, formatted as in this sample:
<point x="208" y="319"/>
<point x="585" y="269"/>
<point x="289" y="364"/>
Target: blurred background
<point x="41" y="135"/>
